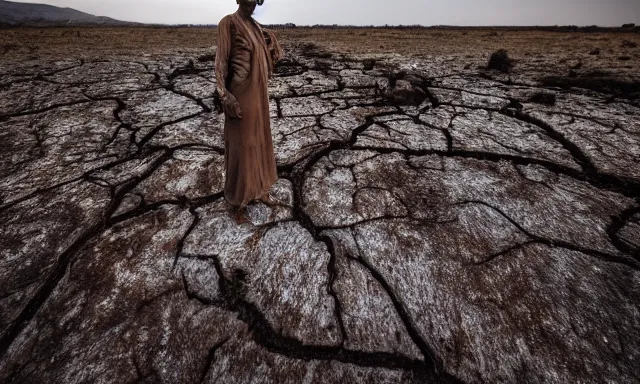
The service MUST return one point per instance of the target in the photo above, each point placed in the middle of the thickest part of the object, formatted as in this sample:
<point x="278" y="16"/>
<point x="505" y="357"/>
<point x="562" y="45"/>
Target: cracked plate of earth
<point x="430" y="226"/>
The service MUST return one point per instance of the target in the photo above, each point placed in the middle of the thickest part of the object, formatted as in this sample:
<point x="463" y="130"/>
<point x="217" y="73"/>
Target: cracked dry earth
<point x="470" y="236"/>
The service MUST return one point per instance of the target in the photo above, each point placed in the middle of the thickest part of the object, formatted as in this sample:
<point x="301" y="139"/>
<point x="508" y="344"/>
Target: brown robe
<point x="244" y="62"/>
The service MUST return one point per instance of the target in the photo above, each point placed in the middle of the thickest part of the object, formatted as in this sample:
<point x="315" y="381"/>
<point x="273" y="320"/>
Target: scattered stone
<point x="405" y="93"/>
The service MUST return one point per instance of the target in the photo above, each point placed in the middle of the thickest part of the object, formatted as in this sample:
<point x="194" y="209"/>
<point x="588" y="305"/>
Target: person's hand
<point x="231" y="107"/>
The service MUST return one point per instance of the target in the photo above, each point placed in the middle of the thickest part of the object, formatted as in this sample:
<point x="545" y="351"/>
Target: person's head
<point x="247" y="7"/>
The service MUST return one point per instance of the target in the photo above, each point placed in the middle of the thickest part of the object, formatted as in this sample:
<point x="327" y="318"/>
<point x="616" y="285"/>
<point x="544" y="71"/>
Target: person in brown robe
<point x="245" y="58"/>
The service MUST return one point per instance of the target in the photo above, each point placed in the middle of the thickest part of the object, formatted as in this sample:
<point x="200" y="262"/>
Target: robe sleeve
<point x="223" y="51"/>
<point x="275" y="49"/>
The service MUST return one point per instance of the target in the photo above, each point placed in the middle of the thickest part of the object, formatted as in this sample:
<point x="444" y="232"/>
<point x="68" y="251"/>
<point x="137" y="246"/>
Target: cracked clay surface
<point x="432" y="226"/>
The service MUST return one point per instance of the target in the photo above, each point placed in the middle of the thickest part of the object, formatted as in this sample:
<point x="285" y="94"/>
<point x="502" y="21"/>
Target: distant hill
<point x="12" y="13"/>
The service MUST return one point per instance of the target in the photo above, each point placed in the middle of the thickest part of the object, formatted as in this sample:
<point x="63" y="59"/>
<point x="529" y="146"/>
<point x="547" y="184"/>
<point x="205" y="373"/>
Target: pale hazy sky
<point x="367" y="12"/>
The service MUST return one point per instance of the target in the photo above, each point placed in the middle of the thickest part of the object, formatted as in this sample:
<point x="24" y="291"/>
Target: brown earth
<point x="436" y="222"/>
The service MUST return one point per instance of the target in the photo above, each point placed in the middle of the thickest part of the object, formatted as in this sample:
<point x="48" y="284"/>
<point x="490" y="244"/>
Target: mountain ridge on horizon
<point x="30" y="14"/>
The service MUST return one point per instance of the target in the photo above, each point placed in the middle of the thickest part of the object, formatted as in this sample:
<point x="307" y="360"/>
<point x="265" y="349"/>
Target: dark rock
<point x="595" y="51"/>
<point x="404" y="93"/>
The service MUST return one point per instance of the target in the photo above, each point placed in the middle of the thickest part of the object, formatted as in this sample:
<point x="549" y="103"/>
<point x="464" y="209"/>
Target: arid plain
<point x="437" y="221"/>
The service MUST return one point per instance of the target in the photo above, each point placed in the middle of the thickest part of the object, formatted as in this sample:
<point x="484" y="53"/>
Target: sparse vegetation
<point x="313" y="50"/>
<point x="500" y="61"/>
<point x="539" y="51"/>
<point x="368" y="64"/>
<point x="206" y="58"/>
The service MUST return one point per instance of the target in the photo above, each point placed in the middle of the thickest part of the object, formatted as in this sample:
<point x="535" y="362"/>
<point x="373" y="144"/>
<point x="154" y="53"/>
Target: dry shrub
<point x="206" y="58"/>
<point x="500" y="61"/>
<point x="368" y="64"/>
<point x="310" y="49"/>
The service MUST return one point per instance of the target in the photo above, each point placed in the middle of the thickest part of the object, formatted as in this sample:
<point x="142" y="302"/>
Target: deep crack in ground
<point x="409" y="228"/>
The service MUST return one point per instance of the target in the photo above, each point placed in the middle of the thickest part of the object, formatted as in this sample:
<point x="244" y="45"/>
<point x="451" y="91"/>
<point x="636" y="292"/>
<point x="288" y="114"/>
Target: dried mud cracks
<point x="472" y="238"/>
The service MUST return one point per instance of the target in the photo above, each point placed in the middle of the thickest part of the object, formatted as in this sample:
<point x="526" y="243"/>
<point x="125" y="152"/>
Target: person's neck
<point x="241" y="14"/>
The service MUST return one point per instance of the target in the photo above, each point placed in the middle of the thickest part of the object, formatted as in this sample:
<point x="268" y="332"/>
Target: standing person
<point x="245" y="59"/>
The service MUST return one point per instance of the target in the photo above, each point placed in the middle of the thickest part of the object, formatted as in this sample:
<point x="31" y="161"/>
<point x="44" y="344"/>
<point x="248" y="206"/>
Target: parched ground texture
<point x="436" y="223"/>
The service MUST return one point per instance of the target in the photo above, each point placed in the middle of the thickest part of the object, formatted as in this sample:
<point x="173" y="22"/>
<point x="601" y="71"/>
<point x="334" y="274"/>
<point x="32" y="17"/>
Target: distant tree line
<point x="551" y="28"/>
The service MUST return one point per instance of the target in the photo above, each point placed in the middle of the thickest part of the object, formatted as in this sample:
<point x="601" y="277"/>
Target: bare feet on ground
<point x="268" y="199"/>
<point x="238" y="214"/>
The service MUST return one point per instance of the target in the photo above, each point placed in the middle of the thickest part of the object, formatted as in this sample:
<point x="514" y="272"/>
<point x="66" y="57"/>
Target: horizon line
<point x="294" y="25"/>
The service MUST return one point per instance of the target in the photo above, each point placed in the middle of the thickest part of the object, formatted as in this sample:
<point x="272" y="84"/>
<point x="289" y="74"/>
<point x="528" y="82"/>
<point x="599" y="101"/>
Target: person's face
<point x="247" y="7"/>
